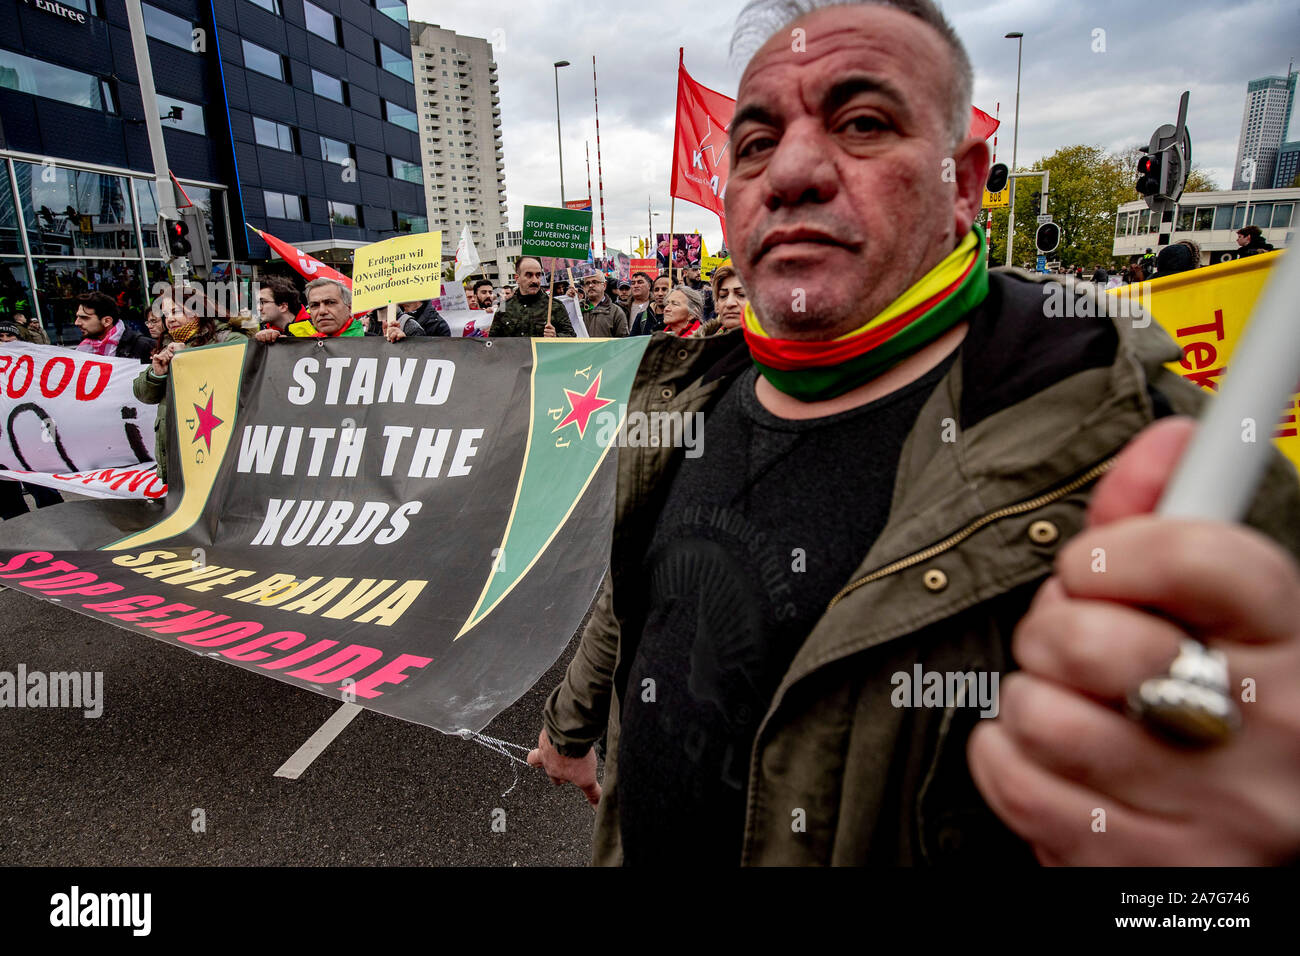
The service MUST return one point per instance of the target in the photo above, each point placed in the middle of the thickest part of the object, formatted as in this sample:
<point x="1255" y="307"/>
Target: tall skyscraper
<point x="458" y="101"/>
<point x="1263" y="129"/>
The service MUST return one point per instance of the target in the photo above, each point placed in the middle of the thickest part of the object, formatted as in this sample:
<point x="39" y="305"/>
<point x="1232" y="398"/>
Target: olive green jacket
<point x="521" y="318"/>
<point x="992" y="480"/>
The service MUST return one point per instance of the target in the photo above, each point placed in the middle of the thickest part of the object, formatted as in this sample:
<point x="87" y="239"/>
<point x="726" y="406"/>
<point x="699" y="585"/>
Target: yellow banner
<point x="402" y="269"/>
<point x="708" y="264"/>
<point x="1205" y="311"/>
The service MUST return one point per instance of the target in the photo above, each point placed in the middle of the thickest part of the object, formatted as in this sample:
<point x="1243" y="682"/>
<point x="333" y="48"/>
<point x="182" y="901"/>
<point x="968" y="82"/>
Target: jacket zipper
<point x="1092" y="474"/>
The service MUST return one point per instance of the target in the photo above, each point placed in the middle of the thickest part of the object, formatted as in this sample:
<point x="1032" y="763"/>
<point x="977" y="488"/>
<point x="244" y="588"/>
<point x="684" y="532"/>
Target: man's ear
<point x="971" y="161"/>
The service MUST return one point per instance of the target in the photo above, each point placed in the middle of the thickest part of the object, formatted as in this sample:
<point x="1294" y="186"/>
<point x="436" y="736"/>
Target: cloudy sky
<point x="1069" y="93"/>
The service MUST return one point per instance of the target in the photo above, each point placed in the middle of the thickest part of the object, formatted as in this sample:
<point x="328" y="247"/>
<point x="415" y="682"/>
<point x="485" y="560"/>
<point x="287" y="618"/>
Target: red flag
<point x="700" y="162"/>
<point x="306" y="266"/>
<point x="982" y="126"/>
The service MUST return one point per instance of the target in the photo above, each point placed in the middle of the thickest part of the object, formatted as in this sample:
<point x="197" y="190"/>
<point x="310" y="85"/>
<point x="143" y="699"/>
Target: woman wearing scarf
<point x="183" y="328"/>
<point x="683" y="311"/>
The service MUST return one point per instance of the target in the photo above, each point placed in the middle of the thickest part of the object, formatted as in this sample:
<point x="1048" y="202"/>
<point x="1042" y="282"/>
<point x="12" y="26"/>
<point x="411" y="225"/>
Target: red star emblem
<point x="207" y="422"/>
<point x="581" y="407"/>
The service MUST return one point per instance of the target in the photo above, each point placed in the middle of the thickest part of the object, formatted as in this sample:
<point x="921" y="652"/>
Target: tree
<point x="1087" y="185"/>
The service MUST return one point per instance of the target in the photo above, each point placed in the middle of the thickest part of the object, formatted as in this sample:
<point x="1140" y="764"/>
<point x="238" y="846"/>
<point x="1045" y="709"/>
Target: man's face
<point x="1243" y="240"/>
<point x="91" y="325"/>
<point x="839" y="186"/>
<point x="269" y="310"/>
<point x="593" y="288"/>
<point x="483" y="295"/>
<point x="692" y="274"/>
<point x="328" y="313"/>
<point x="660" y="291"/>
<point x="624" y="296"/>
<point x="7" y="337"/>
<point x="528" y="277"/>
<point x="640" y="288"/>
<point x="506" y="293"/>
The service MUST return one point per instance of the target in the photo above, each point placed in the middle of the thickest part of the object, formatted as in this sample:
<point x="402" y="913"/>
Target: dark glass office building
<point x="295" y="116"/>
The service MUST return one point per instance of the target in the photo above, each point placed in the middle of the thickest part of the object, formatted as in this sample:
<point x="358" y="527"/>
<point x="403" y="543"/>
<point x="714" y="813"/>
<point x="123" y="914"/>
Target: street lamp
<point x="558" y="138"/>
<point x="1015" y="138"/>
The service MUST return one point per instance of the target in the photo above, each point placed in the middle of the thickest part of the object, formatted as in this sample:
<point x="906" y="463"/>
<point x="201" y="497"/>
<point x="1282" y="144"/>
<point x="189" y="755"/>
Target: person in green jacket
<point x="182" y="329"/>
<point x="895" y="608"/>
<point x="525" y="313"/>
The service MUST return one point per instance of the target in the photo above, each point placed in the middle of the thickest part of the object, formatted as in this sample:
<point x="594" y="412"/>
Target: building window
<point x="167" y="27"/>
<point x="284" y="206"/>
<point x="344" y="214"/>
<point x="178" y="114"/>
<point x="409" y="222"/>
<point x="399" y="116"/>
<point x="1184" y="223"/>
<point x="402" y="169"/>
<point x="1204" y="218"/>
<point x="1261" y="214"/>
<point x="272" y="5"/>
<point x="329" y="87"/>
<point x="321" y="22"/>
<point x="1282" y="215"/>
<point x="394" y="10"/>
<point x="29" y="75"/>
<point x="335" y="151"/>
<point x="394" y="62"/>
<point x="275" y="135"/>
<point x="262" y="60"/>
<point x="1222" y="217"/>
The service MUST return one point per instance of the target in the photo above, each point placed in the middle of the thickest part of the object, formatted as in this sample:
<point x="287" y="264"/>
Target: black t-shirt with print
<point x="756" y="536"/>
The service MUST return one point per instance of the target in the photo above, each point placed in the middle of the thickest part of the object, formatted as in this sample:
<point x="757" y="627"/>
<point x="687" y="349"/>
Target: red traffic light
<point x="1148" y="169"/>
<point x="177" y="244"/>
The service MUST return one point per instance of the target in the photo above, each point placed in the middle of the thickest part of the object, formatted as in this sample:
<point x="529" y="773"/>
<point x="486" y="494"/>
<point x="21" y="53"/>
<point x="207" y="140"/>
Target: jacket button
<point x="681" y="354"/>
<point x="667" y="393"/>
<point x="935" y="580"/>
<point x="1043" y="532"/>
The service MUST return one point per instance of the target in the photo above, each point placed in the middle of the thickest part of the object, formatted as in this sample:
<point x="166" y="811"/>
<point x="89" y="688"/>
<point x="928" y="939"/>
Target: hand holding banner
<point x="402" y="269"/>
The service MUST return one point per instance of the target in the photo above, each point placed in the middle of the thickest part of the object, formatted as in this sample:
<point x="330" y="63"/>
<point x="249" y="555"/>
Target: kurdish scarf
<point x="816" y="371"/>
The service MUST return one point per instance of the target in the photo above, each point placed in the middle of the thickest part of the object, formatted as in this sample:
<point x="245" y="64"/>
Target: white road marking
<point x="317" y="742"/>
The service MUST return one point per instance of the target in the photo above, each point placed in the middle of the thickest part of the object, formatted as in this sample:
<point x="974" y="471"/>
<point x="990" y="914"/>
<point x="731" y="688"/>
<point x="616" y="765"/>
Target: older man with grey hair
<point x="797" y="654"/>
<point x="329" y="303"/>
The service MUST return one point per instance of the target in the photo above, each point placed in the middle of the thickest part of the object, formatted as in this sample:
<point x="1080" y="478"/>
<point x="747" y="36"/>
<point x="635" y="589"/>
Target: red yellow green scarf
<point x="815" y="371"/>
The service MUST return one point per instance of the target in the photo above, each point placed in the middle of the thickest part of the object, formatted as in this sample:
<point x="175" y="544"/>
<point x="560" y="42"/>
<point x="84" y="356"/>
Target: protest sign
<point x="561" y="233"/>
<point x="420" y="530"/>
<point x="1206" y="311"/>
<point x="649" y="266"/>
<point x="686" y="250"/>
<point x="71" y="419"/>
<point x="708" y="264"/>
<point x="452" y="298"/>
<point x="401" y="269"/>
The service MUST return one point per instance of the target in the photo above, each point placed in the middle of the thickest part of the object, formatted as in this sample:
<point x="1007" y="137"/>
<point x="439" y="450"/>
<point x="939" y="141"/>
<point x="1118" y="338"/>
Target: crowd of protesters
<point x="595" y="305"/>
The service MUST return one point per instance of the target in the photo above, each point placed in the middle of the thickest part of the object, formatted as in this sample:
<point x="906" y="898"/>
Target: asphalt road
<point x="180" y="732"/>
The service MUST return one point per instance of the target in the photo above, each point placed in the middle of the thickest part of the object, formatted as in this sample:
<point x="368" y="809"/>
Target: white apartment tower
<point x="1269" y="100"/>
<point x="459" y="104"/>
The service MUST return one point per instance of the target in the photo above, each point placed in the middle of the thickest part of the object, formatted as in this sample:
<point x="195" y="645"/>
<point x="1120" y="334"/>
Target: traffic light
<point x="997" y="180"/>
<point x="177" y="243"/>
<point x="1047" y="238"/>
<point x="1148" y="171"/>
<point x="1036" y="199"/>
<point x="200" y="251"/>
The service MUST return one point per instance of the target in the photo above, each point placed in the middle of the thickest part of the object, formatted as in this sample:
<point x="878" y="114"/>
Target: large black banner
<point x="417" y="527"/>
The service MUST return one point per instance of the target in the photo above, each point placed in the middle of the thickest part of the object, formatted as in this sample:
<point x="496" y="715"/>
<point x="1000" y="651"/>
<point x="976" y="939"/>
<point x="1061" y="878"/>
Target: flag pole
<point x="600" y="173"/>
<point x="672" y="217"/>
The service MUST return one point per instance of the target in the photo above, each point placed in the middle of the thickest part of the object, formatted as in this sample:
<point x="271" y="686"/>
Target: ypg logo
<point x="572" y="383"/>
<point x="202" y="424"/>
<point x="582" y="405"/>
